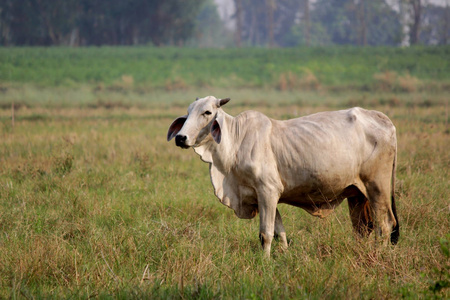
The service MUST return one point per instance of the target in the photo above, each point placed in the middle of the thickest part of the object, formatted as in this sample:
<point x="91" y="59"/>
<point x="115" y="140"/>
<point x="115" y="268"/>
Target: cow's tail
<point x="395" y="234"/>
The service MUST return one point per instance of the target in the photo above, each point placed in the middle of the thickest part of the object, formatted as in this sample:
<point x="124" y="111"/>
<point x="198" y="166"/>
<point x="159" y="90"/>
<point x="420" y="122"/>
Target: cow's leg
<point x="360" y="214"/>
<point x="279" y="230"/>
<point x="379" y="192"/>
<point x="267" y="206"/>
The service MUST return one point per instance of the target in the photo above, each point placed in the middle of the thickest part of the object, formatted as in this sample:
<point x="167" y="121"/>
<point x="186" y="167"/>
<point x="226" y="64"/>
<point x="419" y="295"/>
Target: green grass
<point x="95" y="203"/>
<point x="175" y="68"/>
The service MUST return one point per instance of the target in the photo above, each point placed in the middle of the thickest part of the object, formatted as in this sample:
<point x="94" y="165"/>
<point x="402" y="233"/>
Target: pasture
<point x="94" y="202"/>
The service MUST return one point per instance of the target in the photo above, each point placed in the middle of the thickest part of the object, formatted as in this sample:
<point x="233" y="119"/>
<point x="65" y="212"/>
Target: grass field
<point x="147" y="68"/>
<point x="95" y="203"/>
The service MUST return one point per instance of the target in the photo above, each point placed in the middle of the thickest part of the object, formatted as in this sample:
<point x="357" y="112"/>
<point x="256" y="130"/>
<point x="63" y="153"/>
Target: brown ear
<point x="175" y="127"/>
<point x="216" y="132"/>
<point x="223" y="101"/>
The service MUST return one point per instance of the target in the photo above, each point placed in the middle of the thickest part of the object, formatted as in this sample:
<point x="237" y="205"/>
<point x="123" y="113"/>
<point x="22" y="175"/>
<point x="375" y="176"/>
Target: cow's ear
<point x="175" y="127"/>
<point x="223" y="101"/>
<point x="216" y="132"/>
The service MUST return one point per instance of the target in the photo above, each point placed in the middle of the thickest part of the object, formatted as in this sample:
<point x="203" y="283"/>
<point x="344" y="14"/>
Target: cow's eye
<point x="207" y="112"/>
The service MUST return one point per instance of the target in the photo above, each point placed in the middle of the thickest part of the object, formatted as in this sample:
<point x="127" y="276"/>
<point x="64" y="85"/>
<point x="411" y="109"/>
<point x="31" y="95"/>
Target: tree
<point x="415" y="26"/>
<point x="21" y="24"/>
<point x="296" y="36"/>
<point x="209" y="28"/>
<point x="270" y="11"/>
<point x="435" y="27"/>
<point x="264" y="25"/>
<point x="97" y="22"/>
<point x="446" y="24"/>
<point x="307" y="23"/>
<point x="338" y="17"/>
<point x="238" y="16"/>
<point x="383" y="24"/>
<point x="361" y="17"/>
<point x="348" y="22"/>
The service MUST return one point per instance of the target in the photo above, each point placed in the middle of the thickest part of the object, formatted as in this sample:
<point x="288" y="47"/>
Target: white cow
<point x="312" y="162"/>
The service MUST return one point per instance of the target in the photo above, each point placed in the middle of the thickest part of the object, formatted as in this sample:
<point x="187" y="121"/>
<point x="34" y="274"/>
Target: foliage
<point x="97" y="22"/>
<point x="344" y="21"/>
<point x="296" y="36"/>
<point x="196" y="22"/>
<point x="337" y="22"/>
<point x="435" y="29"/>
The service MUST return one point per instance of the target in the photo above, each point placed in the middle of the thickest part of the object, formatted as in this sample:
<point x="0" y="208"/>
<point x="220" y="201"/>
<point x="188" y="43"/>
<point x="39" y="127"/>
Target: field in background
<point x="95" y="203"/>
<point x="145" y="68"/>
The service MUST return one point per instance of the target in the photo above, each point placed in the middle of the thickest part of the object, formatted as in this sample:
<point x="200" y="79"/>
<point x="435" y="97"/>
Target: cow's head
<point x="194" y="128"/>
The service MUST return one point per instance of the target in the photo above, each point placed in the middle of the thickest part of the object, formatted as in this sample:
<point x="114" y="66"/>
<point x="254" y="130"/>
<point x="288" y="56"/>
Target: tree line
<point x="341" y="22"/>
<point x="271" y="23"/>
<point x="97" y="22"/>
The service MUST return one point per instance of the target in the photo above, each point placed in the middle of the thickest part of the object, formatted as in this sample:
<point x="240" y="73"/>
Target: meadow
<point x="95" y="203"/>
<point x="175" y="68"/>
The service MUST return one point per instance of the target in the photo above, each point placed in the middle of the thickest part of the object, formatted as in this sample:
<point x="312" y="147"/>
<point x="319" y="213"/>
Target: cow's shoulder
<point x="252" y="117"/>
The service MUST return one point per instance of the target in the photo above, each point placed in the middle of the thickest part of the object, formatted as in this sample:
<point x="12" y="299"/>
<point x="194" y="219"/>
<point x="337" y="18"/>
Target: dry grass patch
<point x="289" y="81"/>
<point x="390" y="81"/>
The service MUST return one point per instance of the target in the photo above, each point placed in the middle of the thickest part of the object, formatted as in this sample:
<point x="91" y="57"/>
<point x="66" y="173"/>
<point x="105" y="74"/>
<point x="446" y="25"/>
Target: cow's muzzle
<point x="180" y="141"/>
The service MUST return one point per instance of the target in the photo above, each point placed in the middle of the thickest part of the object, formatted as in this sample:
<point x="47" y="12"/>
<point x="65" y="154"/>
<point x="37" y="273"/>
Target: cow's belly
<point x="319" y="195"/>
<point x="318" y="187"/>
<point x="319" y="202"/>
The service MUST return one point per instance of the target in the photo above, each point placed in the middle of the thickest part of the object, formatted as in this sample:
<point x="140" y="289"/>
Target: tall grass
<point x="95" y="203"/>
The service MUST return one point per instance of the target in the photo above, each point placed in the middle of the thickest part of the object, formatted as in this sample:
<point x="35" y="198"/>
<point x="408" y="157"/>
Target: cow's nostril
<point x="180" y="140"/>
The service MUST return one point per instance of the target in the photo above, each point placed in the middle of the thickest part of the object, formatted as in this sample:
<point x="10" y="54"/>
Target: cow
<point x="312" y="162"/>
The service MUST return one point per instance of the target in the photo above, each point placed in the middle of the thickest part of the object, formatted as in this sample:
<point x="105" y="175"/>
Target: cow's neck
<point x="222" y="155"/>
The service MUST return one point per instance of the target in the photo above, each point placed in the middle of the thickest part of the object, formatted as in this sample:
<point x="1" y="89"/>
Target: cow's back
<point x="321" y="154"/>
